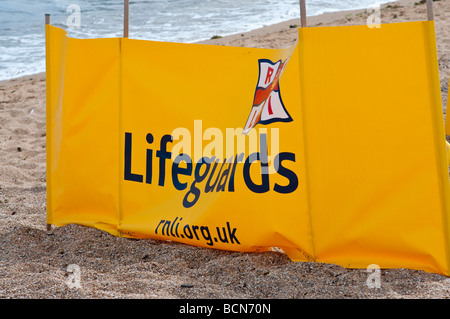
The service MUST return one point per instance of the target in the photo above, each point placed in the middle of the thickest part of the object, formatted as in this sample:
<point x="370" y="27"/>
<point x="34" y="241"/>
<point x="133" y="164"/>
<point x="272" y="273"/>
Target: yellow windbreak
<point x="332" y="150"/>
<point x="447" y="125"/>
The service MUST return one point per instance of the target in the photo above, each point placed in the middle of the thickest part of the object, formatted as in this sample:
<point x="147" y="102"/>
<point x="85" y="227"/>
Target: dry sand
<point x="33" y="262"/>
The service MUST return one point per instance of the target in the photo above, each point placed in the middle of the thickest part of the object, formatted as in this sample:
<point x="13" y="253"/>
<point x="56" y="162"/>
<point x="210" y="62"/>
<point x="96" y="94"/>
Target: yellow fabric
<point x="447" y="118"/>
<point x="447" y="126"/>
<point x="363" y="178"/>
<point x="82" y="115"/>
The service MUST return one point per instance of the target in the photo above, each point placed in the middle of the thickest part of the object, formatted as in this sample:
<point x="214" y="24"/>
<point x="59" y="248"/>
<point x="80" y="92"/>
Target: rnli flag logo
<point x="267" y="105"/>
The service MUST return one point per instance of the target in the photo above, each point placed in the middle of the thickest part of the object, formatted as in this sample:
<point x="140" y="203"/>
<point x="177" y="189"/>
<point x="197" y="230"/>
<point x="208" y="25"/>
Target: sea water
<point x="22" y="39"/>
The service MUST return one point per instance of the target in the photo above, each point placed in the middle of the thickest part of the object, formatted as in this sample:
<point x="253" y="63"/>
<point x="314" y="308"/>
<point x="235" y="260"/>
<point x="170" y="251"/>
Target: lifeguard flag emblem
<point x="267" y="105"/>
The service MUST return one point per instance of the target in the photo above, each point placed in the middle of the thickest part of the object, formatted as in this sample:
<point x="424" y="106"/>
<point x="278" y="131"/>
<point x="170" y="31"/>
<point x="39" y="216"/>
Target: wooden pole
<point x="126" y="13"/>
<point x="303" y="13"/>
<point x="430" y="10"/>
<point x="47" y="22"/>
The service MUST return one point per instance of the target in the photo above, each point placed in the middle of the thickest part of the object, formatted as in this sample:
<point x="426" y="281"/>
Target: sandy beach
<point x="34" y="262"/>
